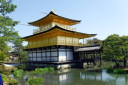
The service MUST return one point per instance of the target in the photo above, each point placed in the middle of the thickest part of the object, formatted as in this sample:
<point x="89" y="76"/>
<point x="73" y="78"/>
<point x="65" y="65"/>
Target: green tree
<point x="115" y="48"/>
<point x="124" y="48"/>
<point x="19" y="49"/>
<point x="93" y="41"/>
<point x="7" y="31"/>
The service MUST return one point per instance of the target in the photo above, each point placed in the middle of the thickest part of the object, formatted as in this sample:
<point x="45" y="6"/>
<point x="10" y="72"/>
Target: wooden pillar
<point x="32" y="55"/>
<point x="100" y="58"/>
<point x="50" y="54"/>
<point x="94" y="58"/>
<point x="41" y="54"/>
<point x="58" y="52"/>
<point x="83" y="42"/>
<point x="88" y="58"/>
<point x="36" y="55"/>
<point x="65" y="38"/>
<point x="45" y="54"/>
<point x="84" y="55"/>
<point x="72" y="41"/>
<point x="73" y="54"/>
<point x="28" y="57"/>
<point x="66" y="52"/>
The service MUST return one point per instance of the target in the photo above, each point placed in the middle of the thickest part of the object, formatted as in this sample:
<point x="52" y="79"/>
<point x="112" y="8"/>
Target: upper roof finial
<point x="53" y="11"/>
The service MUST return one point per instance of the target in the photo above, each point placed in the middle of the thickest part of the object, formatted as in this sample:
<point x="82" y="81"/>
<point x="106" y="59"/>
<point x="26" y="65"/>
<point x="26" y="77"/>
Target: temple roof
<point x="52" y="17"/>
<point x="58" y="31"/>
<point x="89" y="48"/>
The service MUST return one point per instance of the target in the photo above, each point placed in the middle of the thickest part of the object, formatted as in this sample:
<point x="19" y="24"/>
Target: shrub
<point x="116" y="71"/>
<point x="35" y="81"/>
<point x="110" y="70"/>
<point x="119" y="71"/>
<point x="42" y="70"/>
<point x="38" y="71"/>
<point x="18" y="73"/>
<point x="1" y="62"/>
<point x="51" y="69"/>
<point x="9" y="80"/>
<point x="46" y="70"/>
<point x="21" y="66"/>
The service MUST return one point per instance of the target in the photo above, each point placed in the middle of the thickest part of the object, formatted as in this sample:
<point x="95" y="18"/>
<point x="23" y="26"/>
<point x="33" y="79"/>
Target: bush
<point x="46" y="70"/>
<point x="9" y="80"/>
<point x="110" y="70"/>
<point x="116" y="71"/>
<point x="1" y="62"/>
<point x="119" y="71"/>
<point x="38" y="71"/>
<point x="35" y="81"/>
<point x="18" y="73"/>
<point x="21" y="66"/>
<point x="51" y="69"/>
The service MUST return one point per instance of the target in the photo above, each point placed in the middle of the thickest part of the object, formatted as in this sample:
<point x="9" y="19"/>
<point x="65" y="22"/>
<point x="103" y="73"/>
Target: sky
<point x="101" y="17"/>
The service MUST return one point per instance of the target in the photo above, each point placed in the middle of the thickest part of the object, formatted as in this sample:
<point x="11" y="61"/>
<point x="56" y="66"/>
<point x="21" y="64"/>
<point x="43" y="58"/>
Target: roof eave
<point x="91" y="35"/>
<point x="32" y="23"/>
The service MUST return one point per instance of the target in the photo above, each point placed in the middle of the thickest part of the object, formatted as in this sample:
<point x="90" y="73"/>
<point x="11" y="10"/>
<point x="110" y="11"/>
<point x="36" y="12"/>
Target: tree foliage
<point x="7" y="31"/>
<point x="115" y="48"/>
<point x="35" y="81"/>
<point x="18" y="73"/>
<point x="94" y="41"/>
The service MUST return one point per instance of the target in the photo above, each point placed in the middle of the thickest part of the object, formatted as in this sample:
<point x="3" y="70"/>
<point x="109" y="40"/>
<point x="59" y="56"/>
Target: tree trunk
<point x="125" y="61"/>
<point x="117" y="64"/>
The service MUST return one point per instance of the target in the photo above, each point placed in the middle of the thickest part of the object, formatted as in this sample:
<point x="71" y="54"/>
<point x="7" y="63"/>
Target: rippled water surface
<point x="82" y="77"/>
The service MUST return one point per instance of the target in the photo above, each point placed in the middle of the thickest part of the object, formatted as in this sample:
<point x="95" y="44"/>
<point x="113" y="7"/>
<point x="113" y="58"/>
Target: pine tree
<point x="7" y="31"/>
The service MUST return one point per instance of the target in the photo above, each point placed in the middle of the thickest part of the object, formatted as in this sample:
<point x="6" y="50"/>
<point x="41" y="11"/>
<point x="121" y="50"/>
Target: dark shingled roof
<point x="91" y="48"/>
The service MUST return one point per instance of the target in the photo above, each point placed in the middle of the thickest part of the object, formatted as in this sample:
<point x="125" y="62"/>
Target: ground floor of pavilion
<point x="58" y="56"/>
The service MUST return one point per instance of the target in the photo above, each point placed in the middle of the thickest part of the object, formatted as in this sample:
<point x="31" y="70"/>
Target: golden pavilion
<point x="54" y="41"/>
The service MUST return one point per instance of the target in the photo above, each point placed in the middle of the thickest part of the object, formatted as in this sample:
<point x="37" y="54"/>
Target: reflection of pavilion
<point x="59" y="78"/>
<point x="80" y="77"/>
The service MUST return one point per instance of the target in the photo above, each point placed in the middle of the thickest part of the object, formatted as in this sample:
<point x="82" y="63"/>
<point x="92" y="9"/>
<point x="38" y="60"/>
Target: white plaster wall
<point x="62" y="56"/>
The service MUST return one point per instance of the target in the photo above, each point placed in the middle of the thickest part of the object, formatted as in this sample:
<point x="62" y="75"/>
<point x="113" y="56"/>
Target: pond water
<point x="82" y="77"/>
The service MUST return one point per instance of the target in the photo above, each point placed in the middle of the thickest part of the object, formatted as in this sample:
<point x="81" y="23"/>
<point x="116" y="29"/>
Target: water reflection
<point x="81" y="77"/>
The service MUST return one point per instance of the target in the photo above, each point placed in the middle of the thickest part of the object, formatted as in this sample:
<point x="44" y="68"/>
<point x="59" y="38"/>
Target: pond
<point x="82" y="77"/>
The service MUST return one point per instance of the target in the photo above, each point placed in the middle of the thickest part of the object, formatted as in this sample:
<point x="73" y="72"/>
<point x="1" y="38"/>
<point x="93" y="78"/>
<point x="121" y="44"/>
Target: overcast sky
<point x="101" y="17"/>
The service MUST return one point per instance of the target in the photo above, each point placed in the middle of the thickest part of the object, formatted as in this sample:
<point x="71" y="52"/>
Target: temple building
<point x="54" y="41"/>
